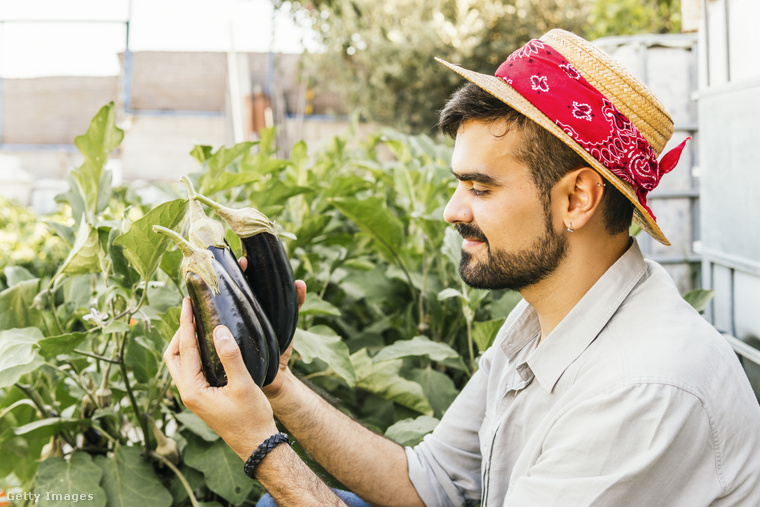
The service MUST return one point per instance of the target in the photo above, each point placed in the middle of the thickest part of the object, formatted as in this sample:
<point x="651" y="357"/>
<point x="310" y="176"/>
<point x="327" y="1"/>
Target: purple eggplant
<point x="217" y="300"/>
<point x="269" y="273"/>
<point x="207" y="233"/>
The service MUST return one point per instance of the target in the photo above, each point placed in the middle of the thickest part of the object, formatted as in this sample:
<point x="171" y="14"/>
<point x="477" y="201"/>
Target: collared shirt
<point x="632" y="400"/>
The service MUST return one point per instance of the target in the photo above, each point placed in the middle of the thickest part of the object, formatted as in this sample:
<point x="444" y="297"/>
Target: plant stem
<point x="14" y="405"/>
<point x="95" y="356"/>
<point x="179" y="474"/>
<point x="53" y="309"/>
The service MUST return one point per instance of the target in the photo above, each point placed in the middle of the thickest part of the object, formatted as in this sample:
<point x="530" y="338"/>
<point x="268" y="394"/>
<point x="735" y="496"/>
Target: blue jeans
<point x="349" y="498"/>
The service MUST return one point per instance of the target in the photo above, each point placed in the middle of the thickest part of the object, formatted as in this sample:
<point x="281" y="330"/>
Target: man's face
<point x="509" y="239"/>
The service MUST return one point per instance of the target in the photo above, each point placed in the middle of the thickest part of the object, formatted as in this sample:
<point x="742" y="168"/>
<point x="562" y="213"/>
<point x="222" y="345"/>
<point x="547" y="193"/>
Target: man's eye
<point x="477" y="192"/>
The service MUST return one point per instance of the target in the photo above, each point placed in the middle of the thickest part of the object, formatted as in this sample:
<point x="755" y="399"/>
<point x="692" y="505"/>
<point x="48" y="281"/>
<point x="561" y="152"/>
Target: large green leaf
<point x="221" y="467"/>
<point x="17" y="274"/>
<point x="410" y="432"/>
<point x="86" y="254"/>
<point x="438" y="388"/>
<point x="373" y="217"/>
<point x="101" y="138"/>
<point x="46" y="428"/>
<point x="699" y="298"/>
<point x="61" y="344"/>
<point x="228" y="180"/>
<point x="384" y="379"/>
<point x="315" y="305"/>
<point x="321" y="342"/>
<point x="196" y="425"/>
<point x="484" y="333"/>
<point x="65" y="483"/>
<point x="417" y="346"/>
<point x="143" y="247"/>
<point x="130" y="481"/>
<point x="17" y="306"/>
<point x="17" y="354"/>
<point x="142" y="358"/>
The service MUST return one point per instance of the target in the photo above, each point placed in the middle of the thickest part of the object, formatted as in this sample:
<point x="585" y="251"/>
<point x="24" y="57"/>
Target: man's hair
<point x="548" y="158"/>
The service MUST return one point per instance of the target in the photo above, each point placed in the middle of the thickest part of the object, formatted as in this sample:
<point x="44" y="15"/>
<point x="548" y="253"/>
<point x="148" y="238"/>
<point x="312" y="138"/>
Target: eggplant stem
<point x="182" y="243"/>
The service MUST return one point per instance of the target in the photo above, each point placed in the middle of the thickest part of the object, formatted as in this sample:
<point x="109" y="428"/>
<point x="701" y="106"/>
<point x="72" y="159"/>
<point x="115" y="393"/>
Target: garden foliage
<point x="388" y="330"/>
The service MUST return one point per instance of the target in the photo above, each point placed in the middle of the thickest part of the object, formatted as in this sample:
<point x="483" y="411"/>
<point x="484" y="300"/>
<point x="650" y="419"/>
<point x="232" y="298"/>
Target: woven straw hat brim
<point x="504" y="92"/>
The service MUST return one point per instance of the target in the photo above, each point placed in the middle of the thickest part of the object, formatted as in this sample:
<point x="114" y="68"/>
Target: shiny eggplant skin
<point x="229" y="262"/>
<point x="229" y="308"/>
<point x="272" y="281"/>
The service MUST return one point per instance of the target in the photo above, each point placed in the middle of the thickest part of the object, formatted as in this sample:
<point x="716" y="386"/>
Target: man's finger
<point x="232" y="359"/>
<point x="301" y="292"/>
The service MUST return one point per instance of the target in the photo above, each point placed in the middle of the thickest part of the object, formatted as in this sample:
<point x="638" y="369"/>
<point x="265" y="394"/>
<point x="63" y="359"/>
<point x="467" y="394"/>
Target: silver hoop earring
<point x="570" y="227"/>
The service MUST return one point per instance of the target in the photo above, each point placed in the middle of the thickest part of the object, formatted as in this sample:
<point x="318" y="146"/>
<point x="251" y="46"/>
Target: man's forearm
<point x="372" y="466"/>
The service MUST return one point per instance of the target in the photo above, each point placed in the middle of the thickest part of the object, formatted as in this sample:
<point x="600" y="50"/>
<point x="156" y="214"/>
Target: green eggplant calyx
<point x="244" y="222"/>
<point x="196" y="260"/>
<point x="204" y="231"/>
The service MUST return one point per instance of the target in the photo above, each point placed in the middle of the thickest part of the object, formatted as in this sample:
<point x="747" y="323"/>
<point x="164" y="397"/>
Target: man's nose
<point x="457" y="209"/>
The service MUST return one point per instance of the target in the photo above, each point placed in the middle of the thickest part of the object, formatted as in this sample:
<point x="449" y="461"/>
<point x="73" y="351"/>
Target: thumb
<point x="229" y="353"/>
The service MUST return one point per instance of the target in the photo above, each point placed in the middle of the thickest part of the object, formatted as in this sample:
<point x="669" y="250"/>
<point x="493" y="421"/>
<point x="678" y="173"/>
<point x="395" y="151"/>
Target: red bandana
<point x="543" y="76"/>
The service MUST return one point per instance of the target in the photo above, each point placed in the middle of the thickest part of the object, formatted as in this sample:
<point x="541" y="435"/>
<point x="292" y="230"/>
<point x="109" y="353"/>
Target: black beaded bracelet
<point x="261" y="452"/>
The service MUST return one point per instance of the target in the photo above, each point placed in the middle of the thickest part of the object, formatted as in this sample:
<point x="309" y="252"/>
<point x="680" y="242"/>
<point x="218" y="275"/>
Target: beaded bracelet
<point x="261" y="452"/>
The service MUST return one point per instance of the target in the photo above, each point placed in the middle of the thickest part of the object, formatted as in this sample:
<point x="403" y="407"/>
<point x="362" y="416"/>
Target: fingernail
<point x="222" y="334"/>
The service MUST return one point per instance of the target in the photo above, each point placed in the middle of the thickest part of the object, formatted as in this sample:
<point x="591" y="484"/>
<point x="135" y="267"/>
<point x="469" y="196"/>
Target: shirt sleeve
<point x="627" y="446"/>
<point x="445" y="466"/>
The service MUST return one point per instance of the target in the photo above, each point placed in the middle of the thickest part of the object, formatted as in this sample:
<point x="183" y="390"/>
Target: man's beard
<point x="511" y="270"/>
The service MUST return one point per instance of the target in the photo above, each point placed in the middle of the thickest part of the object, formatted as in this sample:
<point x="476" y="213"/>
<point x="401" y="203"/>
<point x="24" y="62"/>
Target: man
<point x="603" y="386"/>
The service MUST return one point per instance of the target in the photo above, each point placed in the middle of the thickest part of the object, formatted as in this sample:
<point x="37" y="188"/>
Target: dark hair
<point x="548" y="158"/>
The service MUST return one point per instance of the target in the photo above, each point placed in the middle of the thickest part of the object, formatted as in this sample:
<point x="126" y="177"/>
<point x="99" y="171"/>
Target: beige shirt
<point x="633" y="400"/>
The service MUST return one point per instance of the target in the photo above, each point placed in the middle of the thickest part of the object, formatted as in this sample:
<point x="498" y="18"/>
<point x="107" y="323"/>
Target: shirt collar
<point x="587" y="318"/>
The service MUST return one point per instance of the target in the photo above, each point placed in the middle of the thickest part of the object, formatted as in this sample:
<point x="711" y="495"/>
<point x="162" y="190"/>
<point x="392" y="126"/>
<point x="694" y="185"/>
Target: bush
<point x="388" y="328"/>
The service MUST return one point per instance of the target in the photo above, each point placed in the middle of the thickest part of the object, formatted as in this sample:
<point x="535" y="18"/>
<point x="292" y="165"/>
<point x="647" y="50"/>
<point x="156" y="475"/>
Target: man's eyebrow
<point x="476" y="177"/>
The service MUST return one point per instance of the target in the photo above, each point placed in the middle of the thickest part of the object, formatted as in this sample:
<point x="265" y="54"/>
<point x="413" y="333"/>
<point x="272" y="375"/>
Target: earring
<point x="570" y="227"/>
<point x="601" y="184"/>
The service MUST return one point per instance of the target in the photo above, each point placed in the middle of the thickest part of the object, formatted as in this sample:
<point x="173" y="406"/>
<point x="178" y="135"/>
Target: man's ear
<point x="579" y="194"/>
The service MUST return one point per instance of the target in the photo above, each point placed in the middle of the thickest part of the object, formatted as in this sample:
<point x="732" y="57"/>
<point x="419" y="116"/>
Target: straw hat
<point x="616" y="83"/>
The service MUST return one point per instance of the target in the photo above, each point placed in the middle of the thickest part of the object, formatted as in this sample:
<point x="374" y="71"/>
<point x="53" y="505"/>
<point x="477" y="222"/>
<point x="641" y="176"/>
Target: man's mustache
<point x="470" y="231"/>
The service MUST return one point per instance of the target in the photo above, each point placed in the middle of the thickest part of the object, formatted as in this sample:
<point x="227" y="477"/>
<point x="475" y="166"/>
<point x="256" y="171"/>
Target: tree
<point x="379" y="55"/>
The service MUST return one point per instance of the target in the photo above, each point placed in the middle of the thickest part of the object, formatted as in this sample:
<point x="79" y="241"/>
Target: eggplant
<point x="207" y="233"/>
<point x="217" y="300"/>
<point x="269" y="273"/>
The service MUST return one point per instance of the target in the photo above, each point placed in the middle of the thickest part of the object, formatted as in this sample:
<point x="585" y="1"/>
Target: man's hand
<point x="239" y="412"/>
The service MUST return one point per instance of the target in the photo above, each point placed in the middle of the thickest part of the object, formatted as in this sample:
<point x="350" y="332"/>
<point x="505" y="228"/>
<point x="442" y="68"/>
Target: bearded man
<point x="603" y="386"/>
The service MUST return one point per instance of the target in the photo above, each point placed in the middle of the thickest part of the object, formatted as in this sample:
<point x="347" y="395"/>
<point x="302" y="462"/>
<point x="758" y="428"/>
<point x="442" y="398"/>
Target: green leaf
<point x="201" y="152"/>
<point x="61" y="344"/>
<point x="410" y="432"/>
<point x="86" y="254"/>
<point x="228" y="180"/>
<point x="17" y="354"/>
<point x="195" y="424"/>
<point x="699" y="298"/>
<point x="120" y="265"/>
<point x="169" y="323"/>
<point x="417" y="346"/>
<point x="450" y="293"/>
<point x="438" y="387"/>
<point x="101" y="138"/>
<point x="315" y="305"/>
<point x="64" y="483"/>
<point x="221" y="467"/>
<point x="452" y="246"/>
<point x="142" y="359"/>
<point x="384" y="379"/>
<point x="143" y="247"/>
<point x="321" y="342"/>
<point x="130" y="481"/>
<point x="484" y="333"/>
<point x="16" y="274"/>
<point x="373" y="217"/>
<point x="17" y="306"/>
